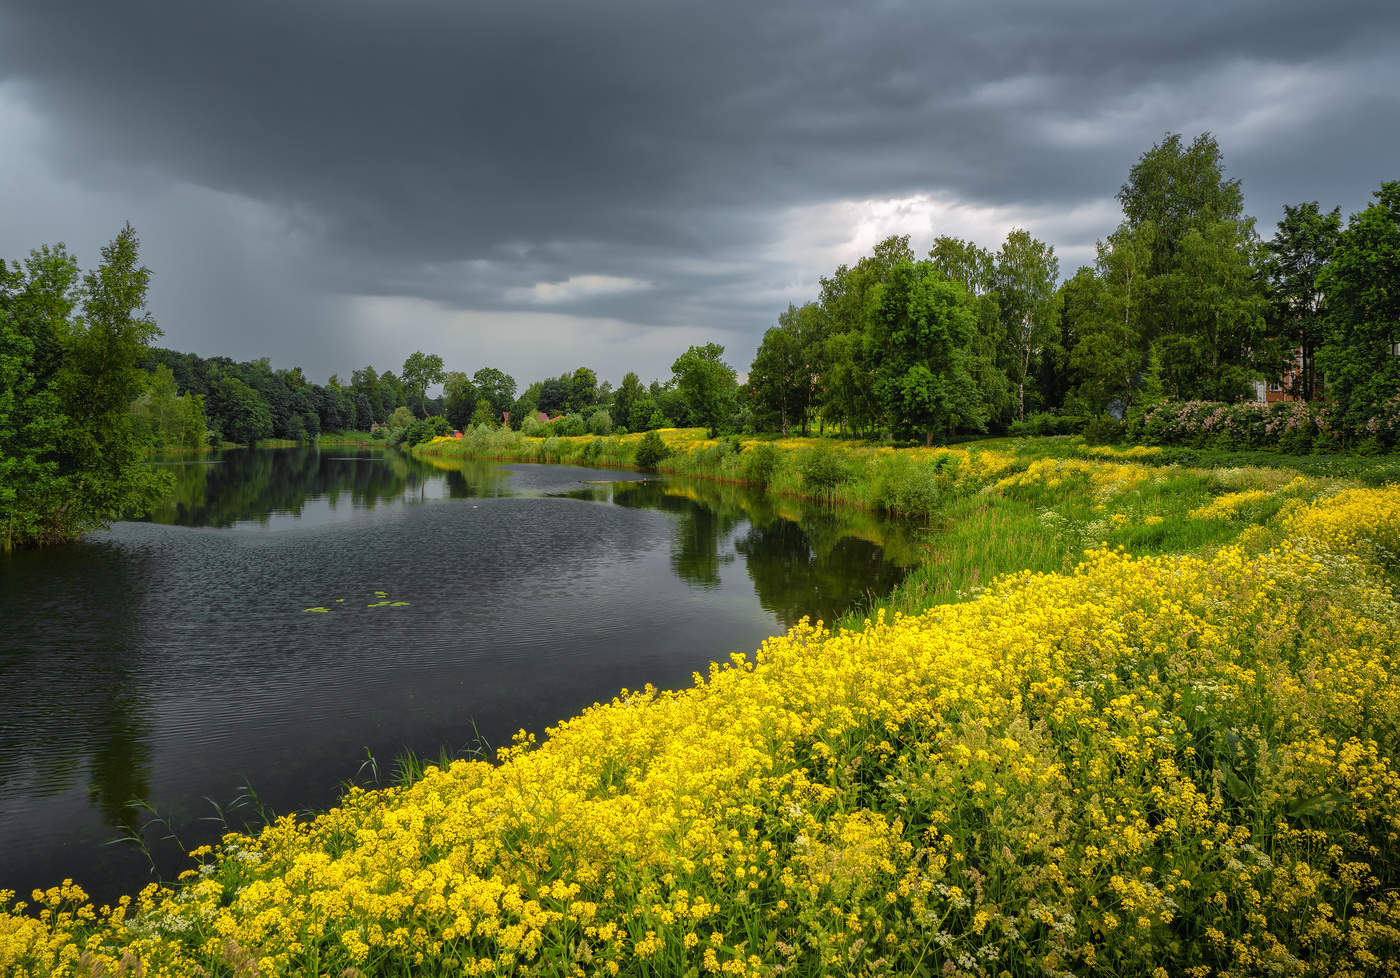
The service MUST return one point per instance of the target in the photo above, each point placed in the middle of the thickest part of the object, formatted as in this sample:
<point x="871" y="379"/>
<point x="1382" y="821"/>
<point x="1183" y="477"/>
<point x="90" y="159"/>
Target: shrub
<point x="1289" y="426"/>
<point x="421" y="430"/>
<point x="711" y="458"/>
<point x="909" y="487"/>
<point x="1103" y="430"/>
<point x="1045" y="423"/>
<point x="759" y="464"/>
<point x="651" y="451"/>
<point x="570" y="426"/>
<point x="822" y="468"/>
<point x="600" y="422"/>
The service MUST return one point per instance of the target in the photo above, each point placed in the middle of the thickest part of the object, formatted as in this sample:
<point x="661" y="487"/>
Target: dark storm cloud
<point x="637" y="162"/>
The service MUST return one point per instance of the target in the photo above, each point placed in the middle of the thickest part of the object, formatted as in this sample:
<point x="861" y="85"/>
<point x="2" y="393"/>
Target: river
<point x="295" y="619"/>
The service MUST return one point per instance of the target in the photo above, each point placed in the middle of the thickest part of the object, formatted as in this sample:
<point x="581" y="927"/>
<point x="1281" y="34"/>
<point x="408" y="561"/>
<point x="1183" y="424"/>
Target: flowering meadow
<point x="1171" y="764"/>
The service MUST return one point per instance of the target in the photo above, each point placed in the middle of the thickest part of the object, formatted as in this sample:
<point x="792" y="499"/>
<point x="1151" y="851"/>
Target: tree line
<point x="1184" y="301"/>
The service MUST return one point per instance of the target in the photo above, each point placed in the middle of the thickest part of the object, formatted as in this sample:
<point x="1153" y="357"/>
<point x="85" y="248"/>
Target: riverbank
<point x="991" y="507"/>
<point x="1156" y="759"/>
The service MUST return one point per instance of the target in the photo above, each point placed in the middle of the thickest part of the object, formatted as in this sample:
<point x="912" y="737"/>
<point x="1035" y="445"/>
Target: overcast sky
<point x="542" y="184"/>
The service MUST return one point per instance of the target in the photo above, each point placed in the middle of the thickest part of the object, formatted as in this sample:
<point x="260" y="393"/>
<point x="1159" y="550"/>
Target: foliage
<point x="707" y="385"/>
<point x="1292" y="427"/>
<point x="570" y="425"/>
<point x="923" y="326"/>
<point x="1044" y="423"/>
<point x="419" y="371"/>
<point x="583" y="390"/>
<point x="822" y="468"/>
<point x="166" y="419"/>
<point x="624" y="398"/>
<point x="1362" y="284"/>
<point x="401" y="417"/>
<point x="1104" y="429"/>
<point x="459" y="399"/>
<point x="600" y="422"/>
<point x="786" y="366"/>
<point x="651" y="451"/>
<point x="243" y="416"/>
<point x="495" y="390"/>
<point x="1105" y="307"/>
<point x="70" y="448"/>
<point x="760" y="462"/>
<point x="1026" y="274"/>
<point x="1208" y="301"/>
<point x="424" y="429"/>
<point x="1301" y="248"/>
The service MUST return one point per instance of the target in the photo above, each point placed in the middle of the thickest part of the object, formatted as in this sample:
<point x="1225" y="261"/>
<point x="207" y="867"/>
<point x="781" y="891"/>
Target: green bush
<point x="822" y="468"/>
<point x="422" y="430"/>
<point x="758" y="465"/>
<point x="651" y="451"/>
<point x="1039" y="423"/>
<point x="1104" y="429"/>
<point x="600" y="422"/>
<point x="908" y="487"/>
<point x="571" y="426"/>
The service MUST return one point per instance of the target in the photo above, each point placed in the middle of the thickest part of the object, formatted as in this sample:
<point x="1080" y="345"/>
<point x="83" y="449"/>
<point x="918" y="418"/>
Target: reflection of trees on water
<point x="796" y="573"/>
<point x="121" y="760"/>
<point x="805" y="561"/>
<point x="476" y="479"/>
<point x="97" y="717"/>
<point x="700" y="546"/>
<point x="250" y="484"/>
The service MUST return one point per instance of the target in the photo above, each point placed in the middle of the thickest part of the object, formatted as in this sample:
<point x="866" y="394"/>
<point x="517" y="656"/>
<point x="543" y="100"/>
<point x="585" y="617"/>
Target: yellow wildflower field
<point x="1171" y="765"/>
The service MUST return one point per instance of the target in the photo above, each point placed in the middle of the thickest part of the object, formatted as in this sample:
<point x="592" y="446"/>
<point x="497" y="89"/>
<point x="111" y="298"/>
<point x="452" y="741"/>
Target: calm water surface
<point x="174" y="661"/>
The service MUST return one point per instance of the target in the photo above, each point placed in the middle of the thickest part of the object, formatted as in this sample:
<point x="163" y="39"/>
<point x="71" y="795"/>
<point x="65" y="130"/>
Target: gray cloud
<point x="330" y="180"/>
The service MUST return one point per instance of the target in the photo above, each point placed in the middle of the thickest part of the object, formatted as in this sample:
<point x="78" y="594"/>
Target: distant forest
<point x="1186" y="314"/>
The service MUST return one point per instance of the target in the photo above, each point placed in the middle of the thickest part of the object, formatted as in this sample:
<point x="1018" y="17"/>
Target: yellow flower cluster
<point x="1176" y="765"/>
<point x="1228" y="506"/>
<point x="1106" y="479"/>
<point x="1232" y="505"/>
<point x="1128" y="452"/>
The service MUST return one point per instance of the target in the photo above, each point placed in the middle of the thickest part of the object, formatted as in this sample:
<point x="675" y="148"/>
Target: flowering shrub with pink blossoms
<point x="1294" y="427"/>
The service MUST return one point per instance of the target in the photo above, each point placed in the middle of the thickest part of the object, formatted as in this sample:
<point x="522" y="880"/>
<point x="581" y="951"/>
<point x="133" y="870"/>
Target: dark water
<point x="172" y="661"/>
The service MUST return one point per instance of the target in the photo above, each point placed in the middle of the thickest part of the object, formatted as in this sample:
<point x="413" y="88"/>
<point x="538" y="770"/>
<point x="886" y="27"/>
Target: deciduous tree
<point x="1359" y="360"/>
<point x="707" y="385"/>
<point x="1301" y="247"/>
<point x="1026" y="276"/>
<point x="419" y="371"/>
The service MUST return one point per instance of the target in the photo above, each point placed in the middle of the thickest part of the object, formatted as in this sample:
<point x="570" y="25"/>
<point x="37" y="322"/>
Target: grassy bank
<point x="991" y="507"/>
<point x="1178" y="756"/>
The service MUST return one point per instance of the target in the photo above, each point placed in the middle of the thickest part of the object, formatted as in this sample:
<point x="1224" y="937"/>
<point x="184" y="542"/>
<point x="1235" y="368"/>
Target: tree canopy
<point x="70" y="449"/>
